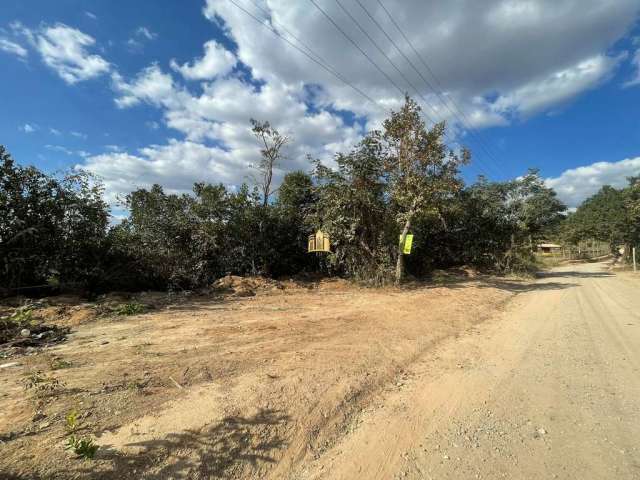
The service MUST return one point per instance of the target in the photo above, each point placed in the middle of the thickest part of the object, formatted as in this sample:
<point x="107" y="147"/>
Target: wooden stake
<point x="176" y="383"/>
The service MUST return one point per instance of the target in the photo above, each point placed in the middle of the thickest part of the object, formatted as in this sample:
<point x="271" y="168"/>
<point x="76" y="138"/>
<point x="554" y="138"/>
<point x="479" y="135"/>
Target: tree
<point x="52" y="229"/>
<point x="632" y="204"/>
<point x="353" y="209"/>
<point x="421" y="171"/>
<point x="295" y="194"/>
<point x="271" y="154"/>
<point x="601" y="217"/>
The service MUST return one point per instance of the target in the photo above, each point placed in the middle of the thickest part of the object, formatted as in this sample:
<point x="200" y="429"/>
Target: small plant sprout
<point x="71" y="419"/>
<point x="59" y="364"/>
<point x="83" y="447"/>
<point x="42" y="384"/>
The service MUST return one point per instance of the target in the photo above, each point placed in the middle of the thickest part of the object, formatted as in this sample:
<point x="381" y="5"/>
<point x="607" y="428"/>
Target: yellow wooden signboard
<point x="408" y="242"/>
<point x="318" y="242"/>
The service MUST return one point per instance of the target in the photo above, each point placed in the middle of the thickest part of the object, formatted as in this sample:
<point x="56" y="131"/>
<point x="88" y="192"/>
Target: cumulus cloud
<point x="481" y="53"/>
<point x="218" y="144"/>
<point x="216" y="61"/>
<point x="576" y="184"/>
<point x="65" y="50"/>
<point x="477" y="49"/>
<point x="14" y="48"/>
<point x="175" y="165"/>
<point x="553" y="89"/>
<point x="151" y="85"/>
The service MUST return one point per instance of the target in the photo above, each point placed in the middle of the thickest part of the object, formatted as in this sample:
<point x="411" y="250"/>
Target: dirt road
<point x="470" y="378"/>
<point x="549" y="389"/>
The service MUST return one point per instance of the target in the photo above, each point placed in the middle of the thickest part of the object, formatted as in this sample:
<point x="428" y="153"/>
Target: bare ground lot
<point x="268" y="382"/>
<point x="455" y="381"/>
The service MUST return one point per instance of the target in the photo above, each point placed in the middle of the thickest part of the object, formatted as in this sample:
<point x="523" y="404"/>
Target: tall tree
<point x="272" y="143"/>
<point x="421" y="171"/>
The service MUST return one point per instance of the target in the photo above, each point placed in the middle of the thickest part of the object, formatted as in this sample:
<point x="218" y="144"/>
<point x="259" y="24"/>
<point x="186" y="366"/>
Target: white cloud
<point x="477" y="49"/>
<point x="28" y="128"/>
<point x="492" y="80"/>
<point x="79" y="135"/>
<point x="635" y="62"/>
<point x="146" y="33"/>
<point x="14" y="48"/>
<point x="151" y="85"/>
<point x="548" y="91"/>
<point x="68" y="151"/>
<point x="217" y="61"/>
<point x="575" y="185"/>
<point x="59" y="148"/>
<point x="175" y="165"/>
<point x="140" y="35"/>
<point x="64" y="49"/>
<point x="54" y="131"/>
<point x="92" y="16"/>
<point x="219" y="114"/>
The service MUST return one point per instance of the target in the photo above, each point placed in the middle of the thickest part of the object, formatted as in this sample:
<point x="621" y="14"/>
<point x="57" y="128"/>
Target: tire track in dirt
<point x="548" y="396"/>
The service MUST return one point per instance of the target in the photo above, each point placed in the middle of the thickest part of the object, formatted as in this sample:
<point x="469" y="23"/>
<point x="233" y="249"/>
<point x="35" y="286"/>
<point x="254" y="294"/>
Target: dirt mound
<point x="238" y="286"/>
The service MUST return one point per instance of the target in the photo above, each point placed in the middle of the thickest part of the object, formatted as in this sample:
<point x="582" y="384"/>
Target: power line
<point x="442" y="98"/>
<point x="318" y="62"/>
<point x="387" y="57"/>
<point x="292" y="35"/>
<point x="355" y="44"/>
<point x="375" y="44"/>
<point x="402" y="92"/>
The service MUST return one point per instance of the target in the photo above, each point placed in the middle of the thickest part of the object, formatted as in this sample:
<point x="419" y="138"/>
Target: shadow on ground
<point x="508" y="284"/>
<point x="574" y="274"/>
<point x="235" y="442"/>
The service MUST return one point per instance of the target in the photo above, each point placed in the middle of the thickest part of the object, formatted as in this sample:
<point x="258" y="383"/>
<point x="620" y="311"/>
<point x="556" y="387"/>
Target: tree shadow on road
<point x="516" y="285"/>
<point x="575" y="274"/>
<point x="521" y="286"/>
<point x="213" y="452"/>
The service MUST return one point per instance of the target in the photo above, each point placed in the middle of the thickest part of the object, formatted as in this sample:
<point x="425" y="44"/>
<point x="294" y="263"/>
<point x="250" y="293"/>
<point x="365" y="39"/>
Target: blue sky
<point x="145" y="92"/>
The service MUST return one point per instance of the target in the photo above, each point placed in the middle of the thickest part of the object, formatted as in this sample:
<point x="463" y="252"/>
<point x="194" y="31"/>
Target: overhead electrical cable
<point x="459" y="112"/>
<point x="375" y="44"/>
<point x="315" y="60"/>
<point x="355" y="44"/>
<point x="318" y="59"/>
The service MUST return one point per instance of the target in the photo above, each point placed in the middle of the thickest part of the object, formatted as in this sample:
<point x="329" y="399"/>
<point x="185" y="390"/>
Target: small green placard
<point x="408" y="242"/>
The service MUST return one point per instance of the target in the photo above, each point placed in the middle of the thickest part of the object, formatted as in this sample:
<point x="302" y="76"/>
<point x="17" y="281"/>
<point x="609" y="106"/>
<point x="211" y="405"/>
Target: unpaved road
<point x="477" y="378"/>
<point x="550" y="389"/>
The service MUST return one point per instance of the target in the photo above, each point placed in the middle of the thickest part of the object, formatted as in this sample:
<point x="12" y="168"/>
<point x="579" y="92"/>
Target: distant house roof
<point x="549" y="245"/>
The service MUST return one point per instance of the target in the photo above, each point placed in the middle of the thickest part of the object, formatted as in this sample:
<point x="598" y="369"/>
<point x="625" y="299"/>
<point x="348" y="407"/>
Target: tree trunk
<point x="400" y="261"/>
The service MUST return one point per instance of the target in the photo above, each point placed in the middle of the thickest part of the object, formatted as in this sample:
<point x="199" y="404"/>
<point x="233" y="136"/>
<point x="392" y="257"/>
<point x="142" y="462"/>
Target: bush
<point x="130" y="309"/>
